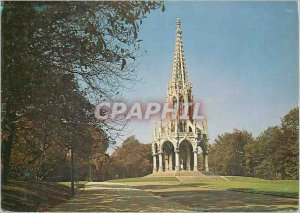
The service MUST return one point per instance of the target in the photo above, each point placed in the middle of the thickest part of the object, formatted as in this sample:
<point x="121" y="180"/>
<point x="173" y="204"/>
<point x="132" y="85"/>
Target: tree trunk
<point x="6" y="147"/>
<point x="90" y="171"/>
<point x="72" y="172"/>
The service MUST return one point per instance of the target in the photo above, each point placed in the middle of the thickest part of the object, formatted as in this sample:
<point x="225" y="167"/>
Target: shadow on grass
<point x="248" y="189"/>
<point x="145" y="179"/>
<point x="22" y="196"/>
<point x="32" y="196"/>
<point x="208" y="198"/>
<point x="161" y="186"/>
<point x="222" y="200"/>
<point x="272" y="193"/>
<point x="172" y="198"/>
<point x="111" y="198"/>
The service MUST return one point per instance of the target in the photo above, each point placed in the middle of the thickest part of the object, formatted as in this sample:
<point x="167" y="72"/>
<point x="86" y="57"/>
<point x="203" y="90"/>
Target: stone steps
<point x="190" y="173"/>
<point x="187" y="176"/>
<point x="174" y="173"/>
<point x="191" y="179"/>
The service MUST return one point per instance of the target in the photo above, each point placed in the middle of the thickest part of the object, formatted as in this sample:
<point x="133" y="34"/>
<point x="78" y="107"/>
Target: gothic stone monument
<point x="176" y="141"/>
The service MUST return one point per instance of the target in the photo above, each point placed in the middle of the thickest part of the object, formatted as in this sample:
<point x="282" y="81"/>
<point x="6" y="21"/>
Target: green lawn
<point x="255" y="185"/>
<point x="69" y="183"/>
<point x="237" y="183"/>
<point x="216" y="194"/>
<point x="202" y="195"/>
<point x="244" y="179"/>
<point x="145" y="179"/>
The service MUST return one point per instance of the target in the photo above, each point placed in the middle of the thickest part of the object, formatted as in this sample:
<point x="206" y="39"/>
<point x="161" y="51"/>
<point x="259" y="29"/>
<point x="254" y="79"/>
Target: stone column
<point x="188" y="160"/>
<point x="195" y="161"/>
<point x="166" y="164"/>
<point x="177" y="166"/>
<point x="160" y="168"/>
<point x="154" y="164"/>
<point x="170" y="162"/>
<point x="205" y="163"/>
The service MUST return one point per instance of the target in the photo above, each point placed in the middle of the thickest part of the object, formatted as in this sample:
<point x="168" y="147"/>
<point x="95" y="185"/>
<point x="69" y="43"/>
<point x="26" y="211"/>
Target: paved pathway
<point x="169" y="197"/>
<point x="105" y="196"/>
<point x="216" y="199"/>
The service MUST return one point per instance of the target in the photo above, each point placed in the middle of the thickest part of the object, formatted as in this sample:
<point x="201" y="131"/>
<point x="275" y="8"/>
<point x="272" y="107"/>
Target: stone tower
<point x="175" y="140"/>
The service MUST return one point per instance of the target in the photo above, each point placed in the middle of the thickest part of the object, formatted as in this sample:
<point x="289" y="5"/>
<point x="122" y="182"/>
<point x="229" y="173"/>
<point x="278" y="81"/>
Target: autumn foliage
<point x="132" y="159"/>
<point x="274" y="154"/>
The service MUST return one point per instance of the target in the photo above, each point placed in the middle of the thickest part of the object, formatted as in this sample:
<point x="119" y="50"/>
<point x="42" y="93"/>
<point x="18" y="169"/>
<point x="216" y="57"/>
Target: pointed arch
<point x="168" y="158"/>
<point x="155" y="148"/>
<point x="186" y="155"/>
<point x="181" y="106"/>
<point x="174" y="102"/>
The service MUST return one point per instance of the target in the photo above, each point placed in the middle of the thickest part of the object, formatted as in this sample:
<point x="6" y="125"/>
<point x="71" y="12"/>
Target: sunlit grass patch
<point x="254" y="185"/>
<point x="145" y="179"/>
<point x="240" y="178"/>
<point x="69" y="183"/>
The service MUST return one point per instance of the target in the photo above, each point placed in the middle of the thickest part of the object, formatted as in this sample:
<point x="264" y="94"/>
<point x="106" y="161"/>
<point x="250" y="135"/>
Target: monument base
<point x="177" y="173"/>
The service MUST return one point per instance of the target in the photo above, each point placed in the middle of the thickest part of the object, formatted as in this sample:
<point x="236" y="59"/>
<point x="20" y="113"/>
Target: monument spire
<point x="179" y="88"/>
<point x="176" y="140"/>
<point x="179" y="73"/>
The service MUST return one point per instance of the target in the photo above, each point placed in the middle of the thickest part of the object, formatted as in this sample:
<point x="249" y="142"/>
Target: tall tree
<point x="259" y="153"/>
<point x="94" y="43"/>
<point x="228" y="153"/>
<point x="132" y="159"/>
<point x="286" y="148"/>
<point x="274" y="154"/>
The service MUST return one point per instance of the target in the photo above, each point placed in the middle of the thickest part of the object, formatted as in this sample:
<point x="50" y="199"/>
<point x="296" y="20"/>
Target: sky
<point x="242" y="60"/>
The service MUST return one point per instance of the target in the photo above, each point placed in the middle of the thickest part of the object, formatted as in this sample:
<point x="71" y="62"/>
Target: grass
<point x="244" y="179"/>
<point x="68" y="184"/>
<point x="32" y="196"/>
<point x="211" y="194"/>
<point x="145" y="179"/>
<point x="255" y="185"/>
<point x="236" y="183"/>
<point x="203" y="195"/>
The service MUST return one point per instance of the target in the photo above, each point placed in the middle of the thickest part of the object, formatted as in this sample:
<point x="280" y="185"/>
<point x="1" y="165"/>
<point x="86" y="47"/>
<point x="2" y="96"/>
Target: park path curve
<point x="108" y="197"/>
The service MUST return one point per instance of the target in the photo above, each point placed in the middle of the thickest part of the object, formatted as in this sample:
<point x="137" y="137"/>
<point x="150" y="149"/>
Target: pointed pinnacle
<point x="178" y="25"/>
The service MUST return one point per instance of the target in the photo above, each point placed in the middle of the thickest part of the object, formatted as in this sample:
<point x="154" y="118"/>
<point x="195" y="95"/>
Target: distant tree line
<point x="131" y="159"/>
<point x="274" y="154"/>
